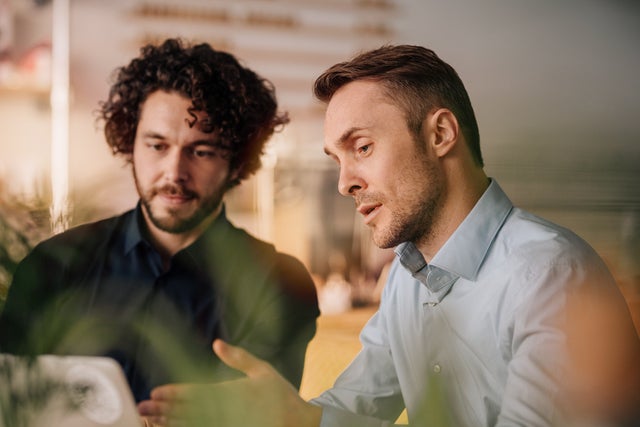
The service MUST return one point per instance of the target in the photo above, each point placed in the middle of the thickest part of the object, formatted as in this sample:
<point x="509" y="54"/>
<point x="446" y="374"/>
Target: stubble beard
<point x="173" y="222"/>
<point x="414" y="220"/>
<point x="407" y="225"/>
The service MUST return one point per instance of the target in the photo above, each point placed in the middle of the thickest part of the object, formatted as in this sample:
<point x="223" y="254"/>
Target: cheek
<point x="143" y="169"/>
<point x="408" y="180"/>
<point x="211" y="179"/>
<point x="139" y="165"/>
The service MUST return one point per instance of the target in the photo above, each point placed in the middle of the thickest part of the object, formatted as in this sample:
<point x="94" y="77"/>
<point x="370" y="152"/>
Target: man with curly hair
<point x="155" y="286"/>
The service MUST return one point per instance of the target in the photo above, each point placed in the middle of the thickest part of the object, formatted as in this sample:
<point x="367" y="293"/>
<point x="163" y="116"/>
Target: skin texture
<point x="180" y="174"/>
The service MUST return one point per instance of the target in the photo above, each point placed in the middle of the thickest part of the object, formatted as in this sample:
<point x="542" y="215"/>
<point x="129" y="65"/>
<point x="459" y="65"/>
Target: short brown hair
<point x="415" y="78"/>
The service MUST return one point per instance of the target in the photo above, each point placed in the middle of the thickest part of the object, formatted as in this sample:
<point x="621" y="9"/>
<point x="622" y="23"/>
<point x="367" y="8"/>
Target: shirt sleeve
<point x="297" y="313"/>
<point x="535" y="386"/>
<point x="537" y="357"/>
<point x="335" y="417"/>
<point x="367" y="393"/>
<point x="270" y="309"/>
<point x="30" y="296"/>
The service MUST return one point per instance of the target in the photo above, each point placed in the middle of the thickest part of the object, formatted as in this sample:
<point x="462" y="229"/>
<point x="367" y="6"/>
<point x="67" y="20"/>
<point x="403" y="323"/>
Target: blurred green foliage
<point x="23" y="223"/>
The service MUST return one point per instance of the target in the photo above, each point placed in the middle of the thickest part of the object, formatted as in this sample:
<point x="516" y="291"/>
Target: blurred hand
<point x="146" y="422"/>
<point x="264" y="398"/>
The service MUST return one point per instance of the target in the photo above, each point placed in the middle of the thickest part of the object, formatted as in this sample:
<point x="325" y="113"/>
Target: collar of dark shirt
<point x="135" y="232"/>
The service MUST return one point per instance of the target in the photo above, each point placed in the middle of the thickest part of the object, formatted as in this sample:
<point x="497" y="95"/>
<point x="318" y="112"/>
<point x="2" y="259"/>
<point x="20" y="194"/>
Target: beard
<point x="174" y="220"/>
<point x="413" y="220"/>
<point x="407" y="224"/>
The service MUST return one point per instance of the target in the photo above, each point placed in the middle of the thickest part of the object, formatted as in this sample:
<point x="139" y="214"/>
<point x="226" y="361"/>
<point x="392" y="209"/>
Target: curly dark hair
<point x="415" y="78"/>
<point x="240" y="105"/>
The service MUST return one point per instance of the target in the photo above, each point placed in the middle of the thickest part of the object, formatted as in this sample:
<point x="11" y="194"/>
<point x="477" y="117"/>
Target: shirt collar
<point x="465" y="250"/>
<point x="134" y="230"/>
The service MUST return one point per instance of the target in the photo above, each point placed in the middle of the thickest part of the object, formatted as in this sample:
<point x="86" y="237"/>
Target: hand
<point x="167" y="404"/>
<point x="146" y="422"/>
<point x="264" y="398"/>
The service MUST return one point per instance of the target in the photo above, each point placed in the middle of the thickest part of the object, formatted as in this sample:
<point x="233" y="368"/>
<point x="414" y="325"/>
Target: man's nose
<point x="349" y="181"/>
<point x="176" y="167"/>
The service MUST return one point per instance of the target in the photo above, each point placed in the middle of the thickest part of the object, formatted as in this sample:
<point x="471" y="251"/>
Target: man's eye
<point x="157" y="147"/>
<point x="364" y="148"/>
<point x="202" y="153"/>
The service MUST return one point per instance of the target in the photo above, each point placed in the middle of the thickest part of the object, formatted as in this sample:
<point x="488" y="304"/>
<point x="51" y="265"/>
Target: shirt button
<point x="437" y="368"/>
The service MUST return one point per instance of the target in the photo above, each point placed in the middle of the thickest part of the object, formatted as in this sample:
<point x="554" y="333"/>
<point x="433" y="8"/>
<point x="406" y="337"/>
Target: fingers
<point x="153" y="422"/>
<point x="155" y="411"/>
<point x="163" y="401"/>
<point x="242" y="360"/>
<point x="170" y="392"/>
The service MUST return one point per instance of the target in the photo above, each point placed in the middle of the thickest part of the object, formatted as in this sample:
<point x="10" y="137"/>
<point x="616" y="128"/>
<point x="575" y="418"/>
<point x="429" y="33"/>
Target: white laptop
<point x="65" y="391"/>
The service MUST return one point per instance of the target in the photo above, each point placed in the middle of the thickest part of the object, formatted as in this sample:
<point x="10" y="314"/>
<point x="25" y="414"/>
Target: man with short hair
<point x="472" y="326"/>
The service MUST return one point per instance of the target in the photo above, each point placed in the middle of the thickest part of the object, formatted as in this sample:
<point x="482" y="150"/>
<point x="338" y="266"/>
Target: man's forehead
<point x="353" y="108"/>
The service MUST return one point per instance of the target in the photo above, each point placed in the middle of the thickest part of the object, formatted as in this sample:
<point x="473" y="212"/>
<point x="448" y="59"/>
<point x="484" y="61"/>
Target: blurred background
<point x="554" y="86"/>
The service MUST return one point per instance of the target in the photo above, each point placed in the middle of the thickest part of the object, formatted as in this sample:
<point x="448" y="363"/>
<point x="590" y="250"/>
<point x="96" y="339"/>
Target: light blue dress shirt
<point x="473" y="337"/>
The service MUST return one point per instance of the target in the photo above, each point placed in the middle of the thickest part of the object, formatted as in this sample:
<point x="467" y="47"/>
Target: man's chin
<point x="171" y="223"/>
<point x="382" y="242"/>
<point x="177" y="220"/>
<point x="385" y="238"/>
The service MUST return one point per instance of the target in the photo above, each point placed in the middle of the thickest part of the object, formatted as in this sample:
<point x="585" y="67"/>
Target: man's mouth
<point x="369" y="211"/>
<point x="175" y="195"/>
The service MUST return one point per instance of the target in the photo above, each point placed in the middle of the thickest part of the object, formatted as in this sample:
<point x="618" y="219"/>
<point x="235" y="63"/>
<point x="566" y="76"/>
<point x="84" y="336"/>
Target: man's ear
<point x="234" y="173"/>
<point x="444" y="131"/>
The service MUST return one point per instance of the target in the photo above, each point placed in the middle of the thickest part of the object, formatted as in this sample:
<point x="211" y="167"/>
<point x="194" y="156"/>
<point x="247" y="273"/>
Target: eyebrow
<point x="346" y="135"/>
<point x="213" y="142"/>
<point x="152" y="135"/>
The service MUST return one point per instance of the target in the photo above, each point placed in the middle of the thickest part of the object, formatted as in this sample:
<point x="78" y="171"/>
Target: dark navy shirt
<point x="101" y="289"/>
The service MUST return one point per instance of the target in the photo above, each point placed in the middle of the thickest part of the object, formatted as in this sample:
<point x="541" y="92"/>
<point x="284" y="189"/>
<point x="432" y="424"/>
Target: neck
<point x="168" y="244"/>
<point x="462" y="191"/>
